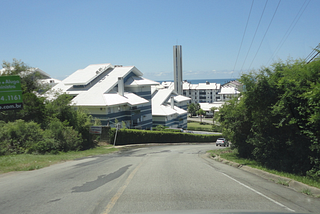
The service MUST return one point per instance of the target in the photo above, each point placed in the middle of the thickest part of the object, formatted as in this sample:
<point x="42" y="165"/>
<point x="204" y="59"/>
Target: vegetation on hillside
<point x="42" y="126"/>
<point x="277" y="120"/>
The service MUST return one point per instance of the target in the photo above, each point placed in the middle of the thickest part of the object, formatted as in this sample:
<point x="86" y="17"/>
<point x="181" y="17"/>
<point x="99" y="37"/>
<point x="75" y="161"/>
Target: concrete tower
<point x="177" y="68"/>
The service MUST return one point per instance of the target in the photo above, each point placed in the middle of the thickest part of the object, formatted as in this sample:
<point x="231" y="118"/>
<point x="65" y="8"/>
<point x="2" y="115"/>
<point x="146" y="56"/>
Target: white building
<point x="169" y="108"/>
<point x="198" y="93"/>
<point x="228" y="93"/>
<point x="111" y="93"/>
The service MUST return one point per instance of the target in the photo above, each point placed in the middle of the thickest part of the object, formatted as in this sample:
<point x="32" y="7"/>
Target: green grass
<point x="307" y="191"/>
<point x="231" y="155"/>
<point x="26" y="162"/>
<point x="199" y="127"/>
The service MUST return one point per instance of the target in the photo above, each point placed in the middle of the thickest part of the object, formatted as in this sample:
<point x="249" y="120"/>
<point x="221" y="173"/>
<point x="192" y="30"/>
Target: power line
<point x="265" y="34"/>
<point x="254" y="34"/>
<point x="245" y="29"/>
<point x="292" y="25"/>
<point x="313" y="54"/>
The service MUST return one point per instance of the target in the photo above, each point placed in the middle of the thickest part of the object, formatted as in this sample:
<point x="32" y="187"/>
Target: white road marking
<point x="259" y="193"/>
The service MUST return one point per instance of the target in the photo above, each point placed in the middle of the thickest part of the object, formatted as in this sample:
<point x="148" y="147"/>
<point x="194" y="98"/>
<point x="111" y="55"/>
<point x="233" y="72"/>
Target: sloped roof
<point x="160" y="100"/>
<point x="108" y="99"/>
<point x="96" y="88"/>
<point x="137" y="81"/>
<point x="85" y="76"/>
<point x="229" y="90"/>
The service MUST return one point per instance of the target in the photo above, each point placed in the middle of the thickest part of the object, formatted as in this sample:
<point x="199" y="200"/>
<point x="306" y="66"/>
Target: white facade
<point x="111" y="93"/>
<point x="169" y="108"/>
<point x="207" y="92"/>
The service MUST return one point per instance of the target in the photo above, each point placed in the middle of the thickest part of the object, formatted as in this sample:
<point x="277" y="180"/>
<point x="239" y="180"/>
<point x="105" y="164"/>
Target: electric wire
<point x="265" y="33"/>
<point x="254" y="35"/>
<point x="313" y="54"/>
<point x="288" y="32"/>
<point x="244" y="33"/>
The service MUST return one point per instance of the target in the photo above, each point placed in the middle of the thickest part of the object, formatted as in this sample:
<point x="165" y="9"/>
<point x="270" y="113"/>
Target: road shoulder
<point x="290" y="183"/>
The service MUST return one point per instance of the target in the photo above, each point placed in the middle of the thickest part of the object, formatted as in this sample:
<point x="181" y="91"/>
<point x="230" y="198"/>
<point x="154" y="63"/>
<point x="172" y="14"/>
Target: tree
<point x="276" y="121"/>
<point x="193" y="108"/>
<point x="33" y="106"/>
<point x="29" y="77"/>
<point x="201" y="113"/>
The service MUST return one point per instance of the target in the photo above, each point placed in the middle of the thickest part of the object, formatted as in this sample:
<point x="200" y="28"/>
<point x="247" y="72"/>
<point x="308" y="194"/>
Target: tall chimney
<point x="120" y="86"/>
<point x="177" y="68"/>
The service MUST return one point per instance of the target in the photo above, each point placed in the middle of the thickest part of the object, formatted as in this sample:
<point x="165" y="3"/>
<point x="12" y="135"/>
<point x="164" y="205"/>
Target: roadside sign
<point x="10" y="93"/>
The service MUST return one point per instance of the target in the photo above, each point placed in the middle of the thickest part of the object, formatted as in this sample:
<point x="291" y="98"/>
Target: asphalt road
<point x="146" y="179"/>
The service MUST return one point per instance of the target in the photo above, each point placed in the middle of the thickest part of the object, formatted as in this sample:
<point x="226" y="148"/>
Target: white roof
<point x="201" y="86"/>
<point x="96" y="89"/>
<point x="137" y="81"/>
<point x="180" y="98"/>
<point x="208" y="106"/>
<point x="85" y="76"/>
<point x="160" y="100"/>
<point x="161" y="96"/>
<point x="208" y="86"/>
<point x="110" y="99"/>
<point x="229" y="90"/>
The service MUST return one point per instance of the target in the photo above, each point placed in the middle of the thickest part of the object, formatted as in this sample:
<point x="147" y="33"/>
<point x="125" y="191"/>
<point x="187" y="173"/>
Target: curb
<point x="288" y="182"/>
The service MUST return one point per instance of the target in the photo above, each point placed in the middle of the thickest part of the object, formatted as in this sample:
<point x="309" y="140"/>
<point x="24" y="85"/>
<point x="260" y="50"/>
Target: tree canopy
<point x="277" y="120"/>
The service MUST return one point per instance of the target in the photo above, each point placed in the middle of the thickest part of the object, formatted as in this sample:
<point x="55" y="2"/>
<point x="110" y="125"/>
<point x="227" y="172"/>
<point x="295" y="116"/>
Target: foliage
<point x="277" y="120"/>
<point x="160" y="128"/>
<point x="193" y="108"/>
<point x="29" y="78"/>
<point x="55" y="124"/>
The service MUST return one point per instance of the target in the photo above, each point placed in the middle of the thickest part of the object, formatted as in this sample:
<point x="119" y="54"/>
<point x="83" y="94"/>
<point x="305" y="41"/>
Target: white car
<point x="222" y="142"/>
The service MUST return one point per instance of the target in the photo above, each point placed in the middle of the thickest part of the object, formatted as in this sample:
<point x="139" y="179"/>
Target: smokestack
<point x="172" y="102"/>
<point x="120" y="86"/>
<point x="177" y="68"/>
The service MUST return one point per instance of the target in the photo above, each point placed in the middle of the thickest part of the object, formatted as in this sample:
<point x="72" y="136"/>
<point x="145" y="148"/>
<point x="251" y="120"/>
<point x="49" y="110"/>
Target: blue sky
<point x="61" y="37"/>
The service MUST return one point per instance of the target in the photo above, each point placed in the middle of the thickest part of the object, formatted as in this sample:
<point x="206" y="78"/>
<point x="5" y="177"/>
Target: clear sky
<point x="62" y="36"/>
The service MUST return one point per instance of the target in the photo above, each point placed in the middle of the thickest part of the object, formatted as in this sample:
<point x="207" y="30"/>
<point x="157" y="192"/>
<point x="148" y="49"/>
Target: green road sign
<point x="10" y="93"/>
<point x="10" y="83"/>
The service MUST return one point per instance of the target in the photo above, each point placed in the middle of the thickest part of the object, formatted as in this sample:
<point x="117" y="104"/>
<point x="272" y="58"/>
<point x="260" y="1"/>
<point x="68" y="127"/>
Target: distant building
<point x="111" y="93"/>
<point x="198" y="93"/>
<point x="227" y="93"/>
<point x="236" y="84"/>
<point x="207" y="108"/>
<point x="169" y="108"/>
<point x="208" y="92"/>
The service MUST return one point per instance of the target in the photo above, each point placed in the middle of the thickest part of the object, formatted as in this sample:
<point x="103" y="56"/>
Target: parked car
<point x="222" y="142"/>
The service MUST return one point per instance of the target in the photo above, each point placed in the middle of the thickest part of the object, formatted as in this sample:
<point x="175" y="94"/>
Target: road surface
<point x="146" y="179"/>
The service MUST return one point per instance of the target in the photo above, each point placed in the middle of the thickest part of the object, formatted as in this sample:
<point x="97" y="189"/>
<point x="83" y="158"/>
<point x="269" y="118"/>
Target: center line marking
<point x="115" y="198"/>
<point x="259" y="193"/>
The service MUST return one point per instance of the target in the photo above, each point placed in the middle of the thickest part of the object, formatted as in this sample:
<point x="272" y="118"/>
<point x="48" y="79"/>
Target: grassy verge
<point x="25" y="162"/>
<point x="231" y="155"/>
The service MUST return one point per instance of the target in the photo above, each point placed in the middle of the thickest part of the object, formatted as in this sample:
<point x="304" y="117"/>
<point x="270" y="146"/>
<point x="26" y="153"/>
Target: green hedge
<point x="131" y="136"/>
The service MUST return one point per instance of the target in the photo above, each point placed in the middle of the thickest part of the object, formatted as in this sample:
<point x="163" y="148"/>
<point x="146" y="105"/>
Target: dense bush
<point x="28" y="137"/>
<point x="277" y="120"/>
